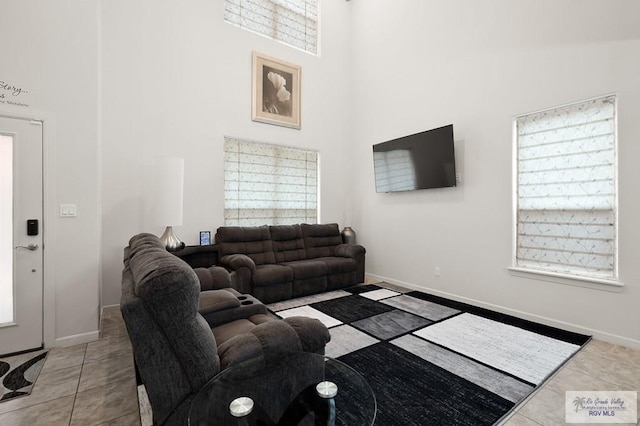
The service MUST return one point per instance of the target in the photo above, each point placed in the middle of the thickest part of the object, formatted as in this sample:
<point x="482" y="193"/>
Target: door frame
<point x="48" y="219"/>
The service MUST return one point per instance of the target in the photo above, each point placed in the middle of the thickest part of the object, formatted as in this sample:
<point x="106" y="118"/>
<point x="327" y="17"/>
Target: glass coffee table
<point x="297" y="389"/>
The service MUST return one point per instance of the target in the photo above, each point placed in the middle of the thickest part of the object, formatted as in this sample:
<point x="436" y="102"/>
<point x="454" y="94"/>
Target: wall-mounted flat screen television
<point x="421" y="161"/>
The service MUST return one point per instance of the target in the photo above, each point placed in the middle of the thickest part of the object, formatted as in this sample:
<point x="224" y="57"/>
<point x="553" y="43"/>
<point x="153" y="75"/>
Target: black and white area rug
<point x="431" y="360"/>
<point x="18" y="374"/>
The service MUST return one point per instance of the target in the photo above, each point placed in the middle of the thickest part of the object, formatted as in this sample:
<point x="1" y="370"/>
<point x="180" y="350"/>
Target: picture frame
<point x="205" y="238"/>
<point x="276" y="91"/>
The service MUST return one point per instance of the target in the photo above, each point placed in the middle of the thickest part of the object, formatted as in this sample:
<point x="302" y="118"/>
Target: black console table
<point x="198" y="256"/>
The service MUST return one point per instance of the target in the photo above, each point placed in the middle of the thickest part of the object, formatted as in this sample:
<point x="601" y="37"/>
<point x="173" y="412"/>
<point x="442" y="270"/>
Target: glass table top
<point x="301" y="388"/>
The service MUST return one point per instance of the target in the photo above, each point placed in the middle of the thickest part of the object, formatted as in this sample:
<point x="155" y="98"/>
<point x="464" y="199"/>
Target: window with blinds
<point x="566" y="190"/>
<point x="394" y="170"/>
<point x="269" y="184"/>
<point x="292" y="22"/>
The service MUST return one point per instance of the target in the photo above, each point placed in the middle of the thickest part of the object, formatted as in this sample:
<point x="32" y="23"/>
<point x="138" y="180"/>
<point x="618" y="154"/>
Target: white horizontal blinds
<point x="394" y="170"/>
<point x="269" y="184"/>
<point x="567" y="189"/>
<point x="293" y="22"/>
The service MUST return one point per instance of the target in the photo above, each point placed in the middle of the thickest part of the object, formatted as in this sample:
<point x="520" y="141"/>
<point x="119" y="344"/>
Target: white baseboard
<point x="597" y="334"/>
<point x="117" y="305"/>
<point x="77" y="339"/>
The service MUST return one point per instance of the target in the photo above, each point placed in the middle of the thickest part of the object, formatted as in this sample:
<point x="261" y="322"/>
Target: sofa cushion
<point x="266" y="275"/>
<point x="338" y="265"/>
<point x="254" y="241"/>
<point x="320" y="240"/>
<point x="157" y="272"/>
<point x="303" y="269"/>
<point x="228" y="330"/>
<point x="309" y="277"/>
<point x="142" y="242"/>
<point x="343" y="271"/>
<point x="288" y="244"/>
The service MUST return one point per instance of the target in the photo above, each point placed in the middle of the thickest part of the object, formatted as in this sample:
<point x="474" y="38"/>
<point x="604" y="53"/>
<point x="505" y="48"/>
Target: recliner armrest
<point x="272" y="340"/>
<point x="237" y="261"/>
<point x="223" y="306"/>
<point x="213" y="278"/>
<point x="216" y="300"/>
<point x="350" y="250"/>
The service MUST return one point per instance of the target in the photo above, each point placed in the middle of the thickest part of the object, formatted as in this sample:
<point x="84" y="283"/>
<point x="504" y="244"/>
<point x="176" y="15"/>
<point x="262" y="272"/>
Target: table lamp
<point x="168" y="190"/>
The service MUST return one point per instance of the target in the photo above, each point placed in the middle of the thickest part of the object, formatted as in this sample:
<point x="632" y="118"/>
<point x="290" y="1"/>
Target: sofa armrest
<point x="274" y="339"/>
<point x="217" y="300"/>
<point x="356" y="252"/>
<point x="213" y="278"/>
<point x="235" y="262"/>
<point x="223" y="306"/>
<point x="313" y="334"/>
<point x="350" y="250"/>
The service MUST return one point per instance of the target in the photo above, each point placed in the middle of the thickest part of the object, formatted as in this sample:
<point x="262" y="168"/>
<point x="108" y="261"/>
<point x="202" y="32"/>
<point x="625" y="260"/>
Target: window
<point x="269" y="184"/>
<point x="7" y="277"/>
<point x="566" y="190"/>
<point x="292" y="22"/>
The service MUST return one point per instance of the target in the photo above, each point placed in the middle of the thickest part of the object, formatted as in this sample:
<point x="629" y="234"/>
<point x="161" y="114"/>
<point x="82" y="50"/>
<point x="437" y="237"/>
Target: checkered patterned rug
<point x="457" y="363"/>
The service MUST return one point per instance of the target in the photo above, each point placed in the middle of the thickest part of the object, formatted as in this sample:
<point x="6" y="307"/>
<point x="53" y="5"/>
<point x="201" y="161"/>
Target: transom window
<point x="292" y="22"/>
<point x="566" y="190"/>
<point x="268" y="184"/>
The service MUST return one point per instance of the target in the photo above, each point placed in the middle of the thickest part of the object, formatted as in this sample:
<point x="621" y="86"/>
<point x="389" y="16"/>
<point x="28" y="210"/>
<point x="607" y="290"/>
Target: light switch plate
<point x="68" y="210"/>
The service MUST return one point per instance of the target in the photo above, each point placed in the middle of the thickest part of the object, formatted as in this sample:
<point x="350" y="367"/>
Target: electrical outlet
<point x="436" y="271"/>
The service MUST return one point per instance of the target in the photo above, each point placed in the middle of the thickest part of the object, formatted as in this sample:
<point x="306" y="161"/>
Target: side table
<point x="298" y="389"/>
<point x="198" y="256"/>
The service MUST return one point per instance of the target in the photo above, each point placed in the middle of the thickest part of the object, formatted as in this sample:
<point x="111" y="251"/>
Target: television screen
<point x="421" y="161"/>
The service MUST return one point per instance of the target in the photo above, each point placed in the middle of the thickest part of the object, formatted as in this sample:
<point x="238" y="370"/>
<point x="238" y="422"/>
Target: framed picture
<point x="276" y="91"/>
<point x="205" y="238"/>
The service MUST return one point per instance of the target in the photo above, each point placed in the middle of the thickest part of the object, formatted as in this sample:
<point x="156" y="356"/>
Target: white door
<point x="21" y="229"/>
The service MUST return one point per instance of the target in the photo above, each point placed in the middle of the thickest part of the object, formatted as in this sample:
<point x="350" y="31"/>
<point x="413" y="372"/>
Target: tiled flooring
<point x="85" y="385"/>
<point x="599" y="366"/>
<point x="94" y="383"/>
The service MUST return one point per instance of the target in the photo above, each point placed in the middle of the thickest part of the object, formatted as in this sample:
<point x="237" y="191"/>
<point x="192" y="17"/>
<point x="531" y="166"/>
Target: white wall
<point x="120" y="83"/>
<point x="477" y="64"/>
<point x="50" y="49"/>
<point x="175" y="80"/>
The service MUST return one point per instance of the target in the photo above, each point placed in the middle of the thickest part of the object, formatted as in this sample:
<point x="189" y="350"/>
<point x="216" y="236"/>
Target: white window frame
<point x="602" y="283"/>
<point x="286" y="174"/>
<point x="295" y="23"/>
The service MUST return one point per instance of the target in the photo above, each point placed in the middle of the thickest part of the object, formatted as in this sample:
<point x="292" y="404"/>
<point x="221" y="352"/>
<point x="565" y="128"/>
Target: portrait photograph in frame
<point x="276" y="91"/>
<point x="205" y="238"/>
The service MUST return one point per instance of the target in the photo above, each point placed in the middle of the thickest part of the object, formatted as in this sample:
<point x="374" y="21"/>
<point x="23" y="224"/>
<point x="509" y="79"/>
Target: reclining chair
<point x="183" y="334"/>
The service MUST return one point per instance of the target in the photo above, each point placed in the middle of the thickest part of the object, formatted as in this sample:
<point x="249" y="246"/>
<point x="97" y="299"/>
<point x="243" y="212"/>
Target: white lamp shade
<point x="168" y="191"/>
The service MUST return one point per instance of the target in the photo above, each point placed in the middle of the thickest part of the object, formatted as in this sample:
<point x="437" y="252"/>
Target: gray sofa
<point x="186" y="325"/>
<point x="282" y="262"/>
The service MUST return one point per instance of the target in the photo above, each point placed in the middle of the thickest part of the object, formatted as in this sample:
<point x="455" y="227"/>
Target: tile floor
<point x="599" y="366"/>
<point x="94" y="384"/>
<point x="86" y="385"/>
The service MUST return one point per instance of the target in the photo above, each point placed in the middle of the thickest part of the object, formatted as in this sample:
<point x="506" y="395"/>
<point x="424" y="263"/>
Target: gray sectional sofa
<point x="186" y="325"/>
<point x="282" y="262"/>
